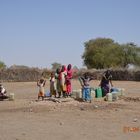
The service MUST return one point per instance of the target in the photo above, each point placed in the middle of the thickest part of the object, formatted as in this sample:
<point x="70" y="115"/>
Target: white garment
<point x="3" y="91"/>
<point x="63" y="80"/>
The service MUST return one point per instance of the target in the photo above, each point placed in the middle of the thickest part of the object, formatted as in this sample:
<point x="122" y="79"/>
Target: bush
<point x="33" y="74"/>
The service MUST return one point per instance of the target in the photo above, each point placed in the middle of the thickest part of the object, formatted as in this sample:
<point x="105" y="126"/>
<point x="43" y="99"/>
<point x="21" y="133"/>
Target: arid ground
<point x="27" y="119"/>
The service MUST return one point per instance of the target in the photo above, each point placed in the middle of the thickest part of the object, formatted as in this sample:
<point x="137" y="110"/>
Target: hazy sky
<point x="38" y="33"/>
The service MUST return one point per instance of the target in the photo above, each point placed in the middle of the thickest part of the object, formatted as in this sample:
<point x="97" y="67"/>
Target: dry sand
<point x="26" y="119"/>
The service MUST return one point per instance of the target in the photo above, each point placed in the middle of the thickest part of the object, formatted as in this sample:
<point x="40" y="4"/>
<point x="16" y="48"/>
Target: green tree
<point x="131" y="54"/>
<point x="99" y="53"/>
<point x="56" y="65"/>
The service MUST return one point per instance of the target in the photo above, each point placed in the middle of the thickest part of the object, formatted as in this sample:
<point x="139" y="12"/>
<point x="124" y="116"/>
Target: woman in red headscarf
<point x="68" y="79"/>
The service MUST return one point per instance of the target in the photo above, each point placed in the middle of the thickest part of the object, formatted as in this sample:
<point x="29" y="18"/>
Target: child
<point x="41" y="85"/>
<point x="84" y="80"/>
<point x="52" y="85"/>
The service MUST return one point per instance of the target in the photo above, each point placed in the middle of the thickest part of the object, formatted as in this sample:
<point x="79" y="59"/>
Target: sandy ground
<point x="26" y="119"/>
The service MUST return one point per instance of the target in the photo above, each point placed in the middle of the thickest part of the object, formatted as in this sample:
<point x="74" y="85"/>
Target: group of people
<point x="105" y="84"/>
<point x="60" y="83"/>
<point x="61" y="86"/>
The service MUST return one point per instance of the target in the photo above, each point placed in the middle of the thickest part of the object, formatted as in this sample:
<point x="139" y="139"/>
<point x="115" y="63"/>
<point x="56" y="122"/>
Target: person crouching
<point x="3" y="92"/>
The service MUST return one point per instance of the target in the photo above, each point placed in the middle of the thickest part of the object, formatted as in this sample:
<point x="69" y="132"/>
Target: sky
<point x="37" y="33"/>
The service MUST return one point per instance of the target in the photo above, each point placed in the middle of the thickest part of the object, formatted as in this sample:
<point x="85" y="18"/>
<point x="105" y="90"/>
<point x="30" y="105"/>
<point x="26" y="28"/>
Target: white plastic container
<point x="11" y="97"/>
<point x="114" y="96"/>
<point x="93" y="94"/>
<point x="109" y="97"/>
<point x="79" y="94"/>
<point x="122" y="91"/>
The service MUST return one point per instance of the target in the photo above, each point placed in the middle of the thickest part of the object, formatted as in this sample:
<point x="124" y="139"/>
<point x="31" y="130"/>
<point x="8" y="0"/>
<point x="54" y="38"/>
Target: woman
<point x="68" y="80"/>
<point x="58" y="84"/>
<point x="62" y="78"/>
<point x="106" y="82"/>
<point x="52" y="85"/>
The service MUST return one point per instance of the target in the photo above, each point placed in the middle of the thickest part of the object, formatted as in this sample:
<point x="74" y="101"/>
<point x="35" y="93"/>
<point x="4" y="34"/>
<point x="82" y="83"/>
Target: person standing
<point x="58" y="84"/>
<point x="52" y="85"/>
<point x="68" y="80"/>
<point x="62" y="78"/>
<point x="86" y="90"/>
<point x="41" y="85"/>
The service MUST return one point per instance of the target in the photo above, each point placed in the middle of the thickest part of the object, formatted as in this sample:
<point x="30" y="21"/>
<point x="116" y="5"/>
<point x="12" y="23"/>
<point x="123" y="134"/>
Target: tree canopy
<point x="56" y="65"/>
<point x="103" y="53"/>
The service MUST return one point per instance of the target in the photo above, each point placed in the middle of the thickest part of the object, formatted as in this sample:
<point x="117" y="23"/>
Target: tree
<point x="2" y="65"/>
<point x="131" y="54"/>
<point x="99" y="53"/>
<point x="103" y="53"/>
<point x="56" y="65"/>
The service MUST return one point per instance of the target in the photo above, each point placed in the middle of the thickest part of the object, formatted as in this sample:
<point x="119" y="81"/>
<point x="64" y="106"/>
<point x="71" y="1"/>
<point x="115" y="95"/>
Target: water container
<point x="113" y="89"/>
<point x="98" y="92"/>
<point x="73" y="94"/>
<point x="11" y="97"/>
<point x="47" y="94"/>
<point x="122" y="91"/>
<point x="93" y="94"/>
<point x="109" y="97"/>
<point x="78" y="94"/>
<point x="115" y="96"/>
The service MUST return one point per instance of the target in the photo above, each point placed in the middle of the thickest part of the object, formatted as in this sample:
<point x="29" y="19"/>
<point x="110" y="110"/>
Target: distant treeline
<point x="33" y="74"/>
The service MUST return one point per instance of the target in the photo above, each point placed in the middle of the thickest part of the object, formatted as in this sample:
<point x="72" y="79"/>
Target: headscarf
<point x="63" y="68"/>
<point x="69" y="67"/>
<point x="69" y="71"/>
<point x="108" y="75"/>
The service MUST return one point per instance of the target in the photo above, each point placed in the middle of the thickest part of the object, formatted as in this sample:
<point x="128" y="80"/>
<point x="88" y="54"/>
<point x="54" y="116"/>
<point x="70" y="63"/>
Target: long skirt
<point x="69" y="90"/>
<point x="105" y="89"/>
